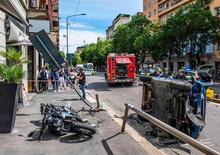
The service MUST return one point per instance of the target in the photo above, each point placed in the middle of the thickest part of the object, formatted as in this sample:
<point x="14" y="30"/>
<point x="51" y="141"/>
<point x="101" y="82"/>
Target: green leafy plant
<point x="12" y="72"/>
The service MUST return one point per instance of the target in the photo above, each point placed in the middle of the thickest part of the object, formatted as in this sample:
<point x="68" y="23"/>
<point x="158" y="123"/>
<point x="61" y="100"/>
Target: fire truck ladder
<point x="113" y="69"/>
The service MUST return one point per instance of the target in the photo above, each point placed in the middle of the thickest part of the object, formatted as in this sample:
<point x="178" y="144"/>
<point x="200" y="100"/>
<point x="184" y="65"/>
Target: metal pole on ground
<point x="63" y="72"/>
<point x="178" y="134"/>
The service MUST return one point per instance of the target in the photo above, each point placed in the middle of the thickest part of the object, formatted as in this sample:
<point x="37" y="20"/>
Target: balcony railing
<point x="167" y="5"/>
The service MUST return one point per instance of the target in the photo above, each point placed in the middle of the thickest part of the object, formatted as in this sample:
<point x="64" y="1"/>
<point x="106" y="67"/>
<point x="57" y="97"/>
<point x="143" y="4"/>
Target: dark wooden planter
<point x="9" y="94"/>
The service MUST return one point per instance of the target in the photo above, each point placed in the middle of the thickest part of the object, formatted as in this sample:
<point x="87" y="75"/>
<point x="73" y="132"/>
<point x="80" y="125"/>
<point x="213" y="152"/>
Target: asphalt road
<point x="116" y="97"/>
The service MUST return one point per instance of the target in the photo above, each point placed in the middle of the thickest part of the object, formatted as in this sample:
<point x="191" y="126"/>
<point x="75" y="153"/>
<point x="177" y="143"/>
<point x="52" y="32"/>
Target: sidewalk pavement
<point x="107" y="141"/>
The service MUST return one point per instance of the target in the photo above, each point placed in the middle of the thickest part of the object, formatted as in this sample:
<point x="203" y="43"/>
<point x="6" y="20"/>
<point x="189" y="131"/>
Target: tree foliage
<point x="76" y="59"/>
<point x="127" y="37"/>
<point x="189" y="31"/>
<point x="62" y="54"/>
<point x="96" y="53"/>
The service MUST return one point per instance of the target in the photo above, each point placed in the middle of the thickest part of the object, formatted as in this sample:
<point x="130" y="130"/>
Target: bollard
<point x="125" y="118"/>
<point x="97" y="100"/>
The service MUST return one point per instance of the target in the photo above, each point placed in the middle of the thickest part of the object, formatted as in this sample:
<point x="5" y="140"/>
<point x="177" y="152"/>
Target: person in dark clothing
<point x="66" y="70"/>
<point x="44" y="79"/>
<point x="82" y="81"/>
<point x="55" y="79"/>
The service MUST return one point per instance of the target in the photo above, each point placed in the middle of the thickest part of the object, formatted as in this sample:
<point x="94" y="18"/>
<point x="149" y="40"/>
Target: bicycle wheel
<point x="84" y="129"/>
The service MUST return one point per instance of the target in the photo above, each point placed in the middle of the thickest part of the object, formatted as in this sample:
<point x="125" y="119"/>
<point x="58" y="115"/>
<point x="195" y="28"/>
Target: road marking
<point x="213" y="103"/>
<point x="147" y="146"/>
<point x="207" y="142"/>
<point x="211" y="145"/>
<point x="201" y="140"/>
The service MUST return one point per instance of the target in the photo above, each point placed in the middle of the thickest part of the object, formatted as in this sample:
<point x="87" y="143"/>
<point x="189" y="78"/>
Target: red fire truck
<point x="121" y="68"/>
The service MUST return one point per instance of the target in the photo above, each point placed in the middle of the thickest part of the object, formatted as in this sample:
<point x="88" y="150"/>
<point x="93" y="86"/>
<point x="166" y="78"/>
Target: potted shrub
<point x="11" y="76"/>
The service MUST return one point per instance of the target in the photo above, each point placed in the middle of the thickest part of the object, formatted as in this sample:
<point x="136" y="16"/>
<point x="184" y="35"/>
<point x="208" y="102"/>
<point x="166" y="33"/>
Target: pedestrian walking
<point x="82" y="82"/>
<point x="44" y="79"/>
<point x="47" y="81"/>
<point x="55" y="79"/>
<point x="61" y="80"/>
<point x="39" y="80"/>
<point x="72" y="74"/>
<point x="66" y="71"/>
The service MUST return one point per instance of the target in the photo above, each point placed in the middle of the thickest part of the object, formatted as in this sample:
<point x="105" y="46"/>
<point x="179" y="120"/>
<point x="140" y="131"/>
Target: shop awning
<point x="45" y="46"/>
<point x="122" y="60"/>
<point x="9" y="7"/>
<point x="17" y="37"/>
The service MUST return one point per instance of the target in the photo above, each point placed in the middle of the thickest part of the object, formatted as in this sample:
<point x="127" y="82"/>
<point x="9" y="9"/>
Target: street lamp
<point x="67" y="27"/>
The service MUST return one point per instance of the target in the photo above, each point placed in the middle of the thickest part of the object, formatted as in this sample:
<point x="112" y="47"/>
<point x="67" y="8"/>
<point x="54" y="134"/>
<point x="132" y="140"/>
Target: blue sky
<point x="99" y="15"/>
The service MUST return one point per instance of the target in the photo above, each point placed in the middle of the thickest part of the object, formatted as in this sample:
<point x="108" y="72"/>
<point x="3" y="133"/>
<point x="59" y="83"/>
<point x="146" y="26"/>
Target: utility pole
<point x="67" y="31"/>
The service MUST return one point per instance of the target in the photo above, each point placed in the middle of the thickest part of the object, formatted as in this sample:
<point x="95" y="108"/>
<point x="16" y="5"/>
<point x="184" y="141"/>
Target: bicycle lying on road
<point x="61" y="120"/>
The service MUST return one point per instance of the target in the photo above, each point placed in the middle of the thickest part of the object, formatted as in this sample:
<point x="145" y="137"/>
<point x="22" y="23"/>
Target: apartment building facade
<point x="161" y="10"/>
<point x="167" y="8"/>
<point x="119" y="20"/>
<point x="42" y="14"/>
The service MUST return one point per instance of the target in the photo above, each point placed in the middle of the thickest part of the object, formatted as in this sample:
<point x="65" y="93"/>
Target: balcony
<point x="166" y="6"/>
<point x="55" y="38"/>
<point x="37" y="13"/>
<point x="55" y="8"/>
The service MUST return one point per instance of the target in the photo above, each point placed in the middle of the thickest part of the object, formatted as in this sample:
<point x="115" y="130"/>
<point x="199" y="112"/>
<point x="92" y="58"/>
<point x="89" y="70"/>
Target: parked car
<point x="87" y="72"/>
<point x="207" y="68"/>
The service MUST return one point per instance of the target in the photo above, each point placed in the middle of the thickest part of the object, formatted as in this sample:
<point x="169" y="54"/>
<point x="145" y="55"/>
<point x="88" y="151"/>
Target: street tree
<point x="189" y="31"/>
<point x="76" y="59"/>
<point x="62" y="54"/>
<point x="148" y="42"/>
<point x="126" y="35"/>
<point x="96" y="53"/>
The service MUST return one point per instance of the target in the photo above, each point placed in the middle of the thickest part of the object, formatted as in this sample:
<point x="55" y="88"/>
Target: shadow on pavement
<point x="36" y="123"/>
<point x="98" y="86"/>
<point x="50" y="135"/>
<point x="106" y="146"/>
<point x="47" y="136"/>
<point x="71" y="99"/>
<point x="75" y="138"/>
<point x="27" y="114"/>
<point x="144" y="128"/>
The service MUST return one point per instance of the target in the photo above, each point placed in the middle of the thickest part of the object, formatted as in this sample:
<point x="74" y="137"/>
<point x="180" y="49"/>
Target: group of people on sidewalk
<point x="60" y="81"/>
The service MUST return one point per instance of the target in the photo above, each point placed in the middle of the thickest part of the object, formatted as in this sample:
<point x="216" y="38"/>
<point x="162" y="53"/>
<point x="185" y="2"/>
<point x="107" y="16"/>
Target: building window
<point x="217" y="11"/>
<point x="149" y="14"/>
<point x="149" y="4"/>
<point x="33" y="3"/>
<point x="173" y="2"/>
<point x="155" y="11"/>
<point x="145" y="8"/>
<point x="167" y="5"/>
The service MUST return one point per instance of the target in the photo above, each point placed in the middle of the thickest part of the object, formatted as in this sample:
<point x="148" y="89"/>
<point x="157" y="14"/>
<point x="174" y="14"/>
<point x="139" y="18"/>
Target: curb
<point x="147" y="146"/>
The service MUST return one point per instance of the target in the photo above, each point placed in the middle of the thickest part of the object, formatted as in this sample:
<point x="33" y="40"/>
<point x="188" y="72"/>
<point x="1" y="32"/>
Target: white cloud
<point x="77" y="38"/>
<point x="77" y="25"/>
